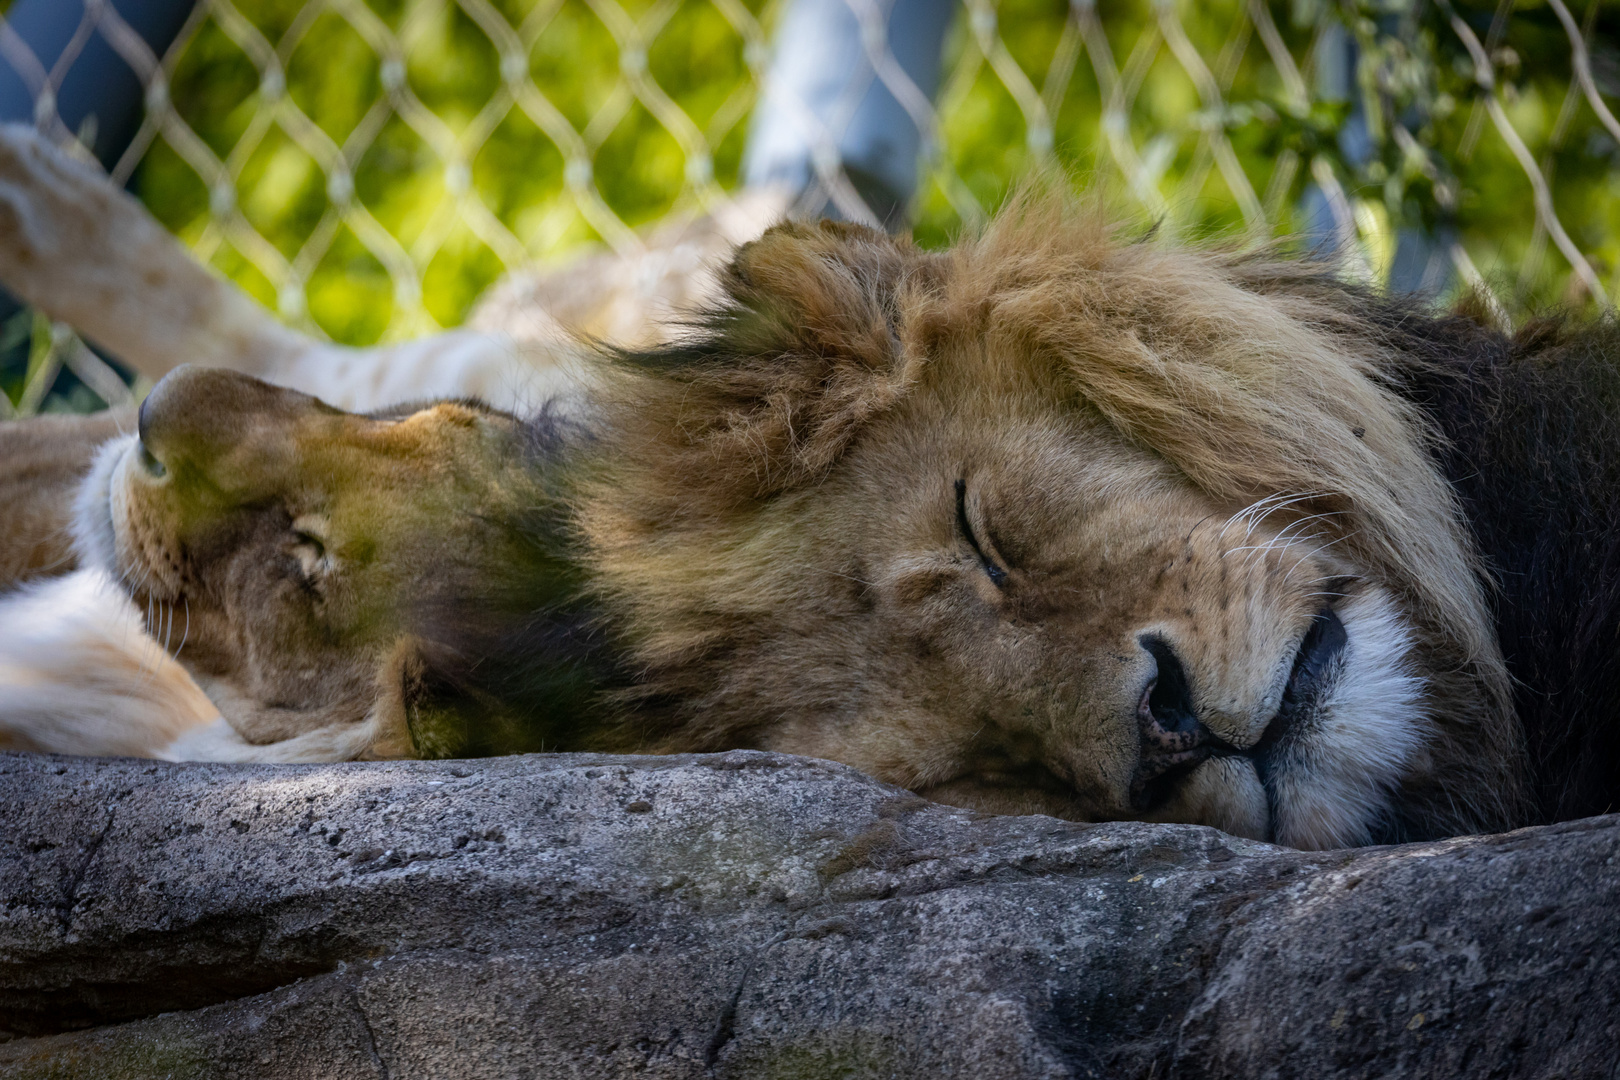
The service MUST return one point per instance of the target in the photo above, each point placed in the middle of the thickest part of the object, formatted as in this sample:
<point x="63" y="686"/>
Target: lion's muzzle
<point x="1175" y="741"/>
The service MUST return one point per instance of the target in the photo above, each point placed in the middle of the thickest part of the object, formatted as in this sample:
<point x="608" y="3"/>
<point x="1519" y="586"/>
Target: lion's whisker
<point x="1282" y="541"/>
<point x="1279" y="543"/>
<point x="1333" y="577"/>
<point x="1252" y="507"/>
<point x="1198" y="525"/>
<point x="1258" y="511"/>
<point x="1276" y="543"/>
<point x="1304" y="521"/>
<point x="1250" y="547"/>
<point x="1317" y="552"/>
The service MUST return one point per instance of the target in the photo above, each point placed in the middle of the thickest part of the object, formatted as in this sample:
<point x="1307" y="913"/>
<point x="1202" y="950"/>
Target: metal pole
<point x="847" y="108"/>
<point x="1420" y="265"/>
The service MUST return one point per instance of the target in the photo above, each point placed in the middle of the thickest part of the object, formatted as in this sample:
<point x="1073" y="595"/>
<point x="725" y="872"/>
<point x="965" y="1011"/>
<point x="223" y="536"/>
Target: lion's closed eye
<point x="309" y="547"/>
<point x="992" y="567"/>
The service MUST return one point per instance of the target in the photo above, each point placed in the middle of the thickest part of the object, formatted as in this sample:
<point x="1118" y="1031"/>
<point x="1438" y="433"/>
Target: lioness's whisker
<point x="186" y="632"/>
<point x="168" y="628"/>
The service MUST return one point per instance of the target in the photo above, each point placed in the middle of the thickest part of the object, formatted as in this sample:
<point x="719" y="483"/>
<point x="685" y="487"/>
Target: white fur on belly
<point x="1333" y="786"/>
<point x="80" y="675"/>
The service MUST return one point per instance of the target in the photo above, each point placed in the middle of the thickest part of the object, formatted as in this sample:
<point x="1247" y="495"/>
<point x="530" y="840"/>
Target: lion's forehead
<point x="1048" y="480"/>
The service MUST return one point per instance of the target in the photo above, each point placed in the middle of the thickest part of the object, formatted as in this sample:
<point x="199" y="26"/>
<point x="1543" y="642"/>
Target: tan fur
<point x="44" y="459"/>
<point x="776" y="527"/>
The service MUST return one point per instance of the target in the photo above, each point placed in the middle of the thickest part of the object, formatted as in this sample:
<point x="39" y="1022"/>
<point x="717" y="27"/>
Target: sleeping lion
<point x="1055" y="521"/>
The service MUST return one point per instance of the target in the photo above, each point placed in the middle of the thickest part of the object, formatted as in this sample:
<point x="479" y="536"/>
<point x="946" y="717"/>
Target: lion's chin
<point x="95" y="533"/>
<point x="1333" y="781"/>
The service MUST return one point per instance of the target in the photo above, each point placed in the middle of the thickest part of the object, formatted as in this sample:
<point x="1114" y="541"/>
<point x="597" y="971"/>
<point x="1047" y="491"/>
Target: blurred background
<point x="369" y="168"/>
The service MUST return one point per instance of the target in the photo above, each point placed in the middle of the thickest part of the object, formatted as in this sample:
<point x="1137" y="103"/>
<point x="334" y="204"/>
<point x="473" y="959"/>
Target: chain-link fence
<point x="368" y="167"/>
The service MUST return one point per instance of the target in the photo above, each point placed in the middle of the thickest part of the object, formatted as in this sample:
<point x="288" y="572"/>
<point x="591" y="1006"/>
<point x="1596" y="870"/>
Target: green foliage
<point x="1453" y="175"/>
<point x="406" y="165"/>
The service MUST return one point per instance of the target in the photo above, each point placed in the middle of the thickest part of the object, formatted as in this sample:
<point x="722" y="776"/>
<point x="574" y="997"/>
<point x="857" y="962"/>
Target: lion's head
<point x="1055" y="523"/>
<point x="366" y="583"/>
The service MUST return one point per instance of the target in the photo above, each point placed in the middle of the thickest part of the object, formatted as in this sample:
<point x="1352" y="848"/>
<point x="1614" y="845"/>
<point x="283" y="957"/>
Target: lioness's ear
<point x="509" y="696"/>
<point x="436" y="713"/>
<point x="806" y="344"/>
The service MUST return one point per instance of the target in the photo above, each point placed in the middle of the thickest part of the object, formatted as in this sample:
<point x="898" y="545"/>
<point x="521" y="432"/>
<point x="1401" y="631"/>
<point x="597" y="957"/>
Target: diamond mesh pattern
<point x="367" y="167"/>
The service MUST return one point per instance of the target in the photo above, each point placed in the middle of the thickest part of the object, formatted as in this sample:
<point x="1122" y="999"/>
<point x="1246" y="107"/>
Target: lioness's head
<point x="381" y="579"/>
<point x="1055" y="523"/>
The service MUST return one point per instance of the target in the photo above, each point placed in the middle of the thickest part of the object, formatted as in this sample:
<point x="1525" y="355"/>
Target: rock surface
<point x="749" y="915"/>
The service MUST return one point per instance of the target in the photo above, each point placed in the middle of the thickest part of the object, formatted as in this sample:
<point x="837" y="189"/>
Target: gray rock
<point x="749" y="915"/>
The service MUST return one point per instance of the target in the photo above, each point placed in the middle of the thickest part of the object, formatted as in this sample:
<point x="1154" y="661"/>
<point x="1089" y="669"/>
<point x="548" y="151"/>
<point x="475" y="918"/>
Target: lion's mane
<point x="1469" y="470"/>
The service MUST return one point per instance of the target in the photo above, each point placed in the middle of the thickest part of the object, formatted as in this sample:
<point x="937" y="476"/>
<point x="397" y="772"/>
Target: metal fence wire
<point x="368" y="168"/>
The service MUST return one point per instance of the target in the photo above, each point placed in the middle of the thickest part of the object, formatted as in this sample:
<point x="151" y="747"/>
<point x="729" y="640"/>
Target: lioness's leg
<point x="84" y="252"/>
<point x="42" y="461"/>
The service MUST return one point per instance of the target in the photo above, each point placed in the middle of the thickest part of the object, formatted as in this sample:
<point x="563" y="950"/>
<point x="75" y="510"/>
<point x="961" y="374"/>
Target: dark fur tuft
<point x="1532" y="430"/>
<point x="768" y="387"/>
<point x="516" y="660"/>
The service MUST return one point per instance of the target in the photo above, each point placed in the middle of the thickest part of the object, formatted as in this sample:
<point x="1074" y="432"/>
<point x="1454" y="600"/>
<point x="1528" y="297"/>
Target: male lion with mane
<point x="1055" y="521"/>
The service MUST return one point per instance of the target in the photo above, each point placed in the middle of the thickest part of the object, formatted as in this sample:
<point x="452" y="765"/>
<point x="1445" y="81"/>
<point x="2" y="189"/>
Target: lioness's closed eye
<point x="339" y="586"/>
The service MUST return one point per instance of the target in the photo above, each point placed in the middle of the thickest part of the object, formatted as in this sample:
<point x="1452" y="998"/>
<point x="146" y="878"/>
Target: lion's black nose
<point x="1173" y="739"/>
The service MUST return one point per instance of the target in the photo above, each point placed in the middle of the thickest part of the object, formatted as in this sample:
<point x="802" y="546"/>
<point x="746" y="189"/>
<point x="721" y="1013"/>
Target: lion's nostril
<point x="1173" y="740"/>
<point x="1169" y="701"/>
<point x="1318" y="652"/>
<point x="1314" y="666"/>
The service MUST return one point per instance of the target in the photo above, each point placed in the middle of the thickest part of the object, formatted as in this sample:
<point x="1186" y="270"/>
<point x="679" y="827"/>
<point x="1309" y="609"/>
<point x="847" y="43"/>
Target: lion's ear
<point x="770" y="385"/>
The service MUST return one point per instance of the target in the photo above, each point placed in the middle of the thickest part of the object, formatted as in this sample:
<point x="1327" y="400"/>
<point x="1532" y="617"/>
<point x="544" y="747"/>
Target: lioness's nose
<point x="195" y="414"/>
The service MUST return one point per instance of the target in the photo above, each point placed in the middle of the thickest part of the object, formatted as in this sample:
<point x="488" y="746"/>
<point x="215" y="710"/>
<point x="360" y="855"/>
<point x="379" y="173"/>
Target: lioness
<point x="266" y="578"/>
<point x="1052" y="522"/>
